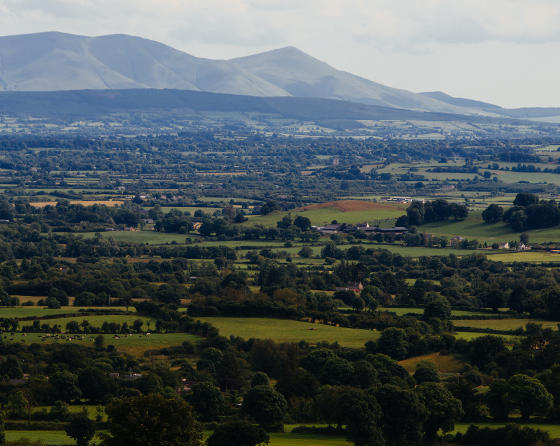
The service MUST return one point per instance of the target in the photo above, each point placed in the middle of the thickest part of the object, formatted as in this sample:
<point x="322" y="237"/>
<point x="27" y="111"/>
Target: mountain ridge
<point x="55" y="61"/>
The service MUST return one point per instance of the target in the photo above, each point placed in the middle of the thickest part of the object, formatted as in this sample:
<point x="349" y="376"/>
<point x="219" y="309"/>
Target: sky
<point x="502" y="51"/>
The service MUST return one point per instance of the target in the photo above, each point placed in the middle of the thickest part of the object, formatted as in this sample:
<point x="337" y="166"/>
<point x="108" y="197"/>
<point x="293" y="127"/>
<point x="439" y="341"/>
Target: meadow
<point x="135" y="344"/>
<point x="284" y="330"/>
<point x="400" y="311"/>
<point x="552" y="429"/>
<point x="345" y="211"/>
<point x="95" y="321"/>
<point x="473" y="227"/>
<point x="470" y="335"/>
<point x="527" y="256"/>
<point x="443" y="363"/>
<point x="503" y="324"/>
<point x="59" y="438"/>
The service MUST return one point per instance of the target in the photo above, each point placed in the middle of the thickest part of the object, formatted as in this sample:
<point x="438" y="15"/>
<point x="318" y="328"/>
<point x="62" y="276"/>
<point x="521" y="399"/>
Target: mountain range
<point x="54" y="61"/>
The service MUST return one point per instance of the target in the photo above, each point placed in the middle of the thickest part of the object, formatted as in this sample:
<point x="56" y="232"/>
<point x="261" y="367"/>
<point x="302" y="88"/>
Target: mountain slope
<point x="57" y="61"/>
<point x="304" y="76"/>
<point x="54" y="61"/>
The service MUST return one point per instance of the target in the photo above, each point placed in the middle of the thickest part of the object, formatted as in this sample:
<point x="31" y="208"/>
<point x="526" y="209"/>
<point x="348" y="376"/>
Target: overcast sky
<point x="502" y="51"/>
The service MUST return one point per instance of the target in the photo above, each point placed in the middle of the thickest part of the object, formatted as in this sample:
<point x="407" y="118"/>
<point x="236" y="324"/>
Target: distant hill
<point x="92" y="103"/>
<point x="133" y="111"/>
<point x="54" y="61"/>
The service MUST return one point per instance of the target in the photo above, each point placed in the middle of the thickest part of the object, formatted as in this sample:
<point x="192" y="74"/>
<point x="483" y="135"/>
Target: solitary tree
<point x="492" y="214"/>
<point x="81" y="428"/>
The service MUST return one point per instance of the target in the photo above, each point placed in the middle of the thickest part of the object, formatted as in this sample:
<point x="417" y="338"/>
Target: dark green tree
<point x="266" y="406"/>
<point x="151" y="420"/>
<point x="493" y="213"/>
<point x="442" y="408"/>
<point x="529" y="395"/>
<point x="207" y="401"/>
<point x="81" y="428"/>
<point x="238" y="433"/>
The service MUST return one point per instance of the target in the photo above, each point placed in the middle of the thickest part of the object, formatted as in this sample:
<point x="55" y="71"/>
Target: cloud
<point x="397" y="23"/>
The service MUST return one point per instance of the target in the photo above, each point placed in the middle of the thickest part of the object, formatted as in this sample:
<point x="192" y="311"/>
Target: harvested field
<point x="353" y="206"/>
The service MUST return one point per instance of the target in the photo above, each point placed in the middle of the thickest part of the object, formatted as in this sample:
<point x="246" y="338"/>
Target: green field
<point x="150" y="237"/>
<point x="276" y="439"/>
<point x="473" y="227"/>
<point x="21" y="312"/>
<point x="135" y="344"/>
<point x="284" y="330"/>
<point x="503" y="324"/>
<point x="404" y="310"/>
<point x="527" y="256"/>
<point x="94" y="321"/>
<point x="469" y="336"/>
<point x="552" y="429"/>
<point x="321" y="216"/>
<point x="419" y="251"/>
<point x="48" y="437"/>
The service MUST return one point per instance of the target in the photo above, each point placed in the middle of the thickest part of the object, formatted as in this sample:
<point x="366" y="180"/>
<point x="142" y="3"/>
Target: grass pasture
<point x="42" y="204"/>
<point x="94" y="321"/>
<point x="400" y="311"/>
<point x="284" y="330"/>
<point x="135" y="344"/>
<point x="552" y="429"/>
<point x="474" y="228"/>
<point x="149" y="237"/>
<point x="22" y="312"/>
<point x="59" y="438"/>
<point x="527" y="256"/>
<point x="470" y="335"/>
<point x="443" y="363"/>
<point x="502" y="324"/>
<point x="48" y="437"/>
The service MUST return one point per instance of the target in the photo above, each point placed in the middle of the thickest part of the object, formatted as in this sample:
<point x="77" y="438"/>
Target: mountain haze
<point x="54" y="61"/>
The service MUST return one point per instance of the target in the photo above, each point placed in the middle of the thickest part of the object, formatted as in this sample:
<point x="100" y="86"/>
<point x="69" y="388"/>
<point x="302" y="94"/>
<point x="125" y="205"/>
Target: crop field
<point x="135" y="344"/>
<point x="345" y="211"/>
<point x="503" y="324"/>
<point x="284" y="330"/>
